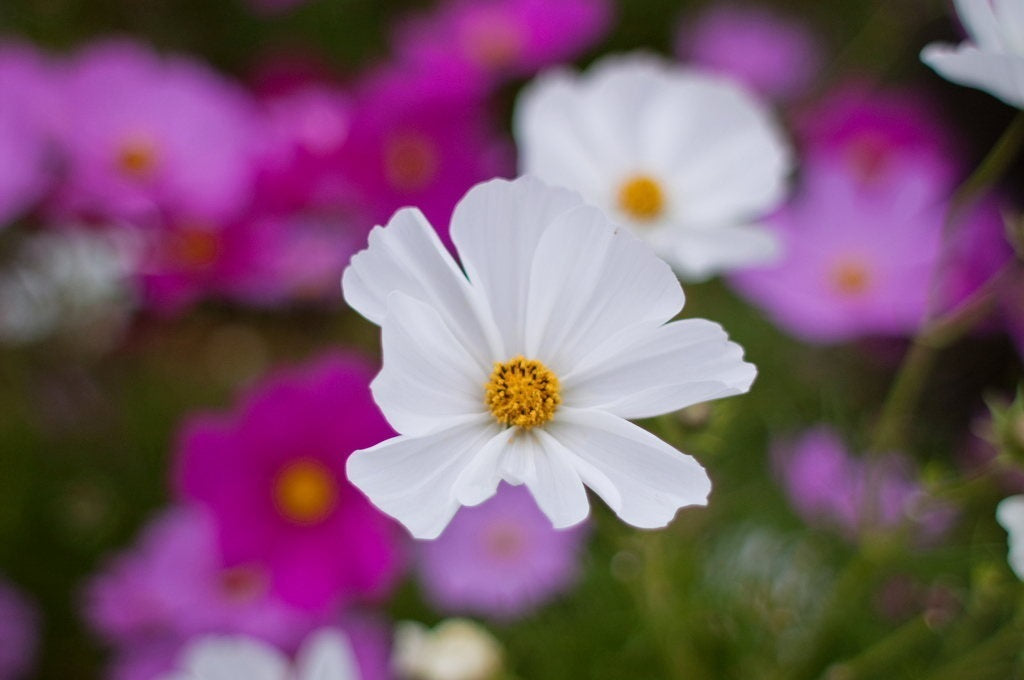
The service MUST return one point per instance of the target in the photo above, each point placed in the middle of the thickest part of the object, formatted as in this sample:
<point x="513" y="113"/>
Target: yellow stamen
<point x="642" y="198"/>
<point x="305" y="492"/>
<point x="522" y="393"/>
<point x="851" y="278"/>
<point x="137" y="157"/>
<point x="411" y="161"/>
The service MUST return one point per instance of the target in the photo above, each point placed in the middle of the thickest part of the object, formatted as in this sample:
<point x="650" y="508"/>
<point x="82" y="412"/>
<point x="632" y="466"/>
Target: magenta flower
<point x="273" y="475"/>
<point x="19" y="633"/>
<point x="828" y="486"/>
<point x="774" y="55"/>
<point x="28" y="124"/>
<point x="154" y="134"/>
<point x="881" y="135"/>
<point x="858" y="260"/>
<point x="173" y="584"/>
<point x="419" y="139"/>
<point x="500" y="559"/>
<point x="492" y="40"/>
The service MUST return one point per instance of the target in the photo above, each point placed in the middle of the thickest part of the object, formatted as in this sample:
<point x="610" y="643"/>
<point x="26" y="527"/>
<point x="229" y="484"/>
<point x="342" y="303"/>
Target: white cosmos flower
<point x="688" y="160"/>
<point x="326" y="655"/>
<point x="457" y="649"/>
<point x="1010" y="514"/>
<point x="992" y="59"/>
<point x="524" y="364"/>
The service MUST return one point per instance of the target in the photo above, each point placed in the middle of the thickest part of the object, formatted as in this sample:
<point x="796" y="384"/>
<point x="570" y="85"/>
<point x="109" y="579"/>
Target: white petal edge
<point x="413" y="478"/>
<point x="233" y="657"/>
<point x="1010" y="515"/>
<point x="999" y="74"/>
<point x="652" y="479"/>
<point x="327" y="655"/>
<point x="660" y="370"/>
<point x="407" y="256"/>
<point x="429" y="380"/>
<point x="699" y="253"/>
<point x="539" y="461"/>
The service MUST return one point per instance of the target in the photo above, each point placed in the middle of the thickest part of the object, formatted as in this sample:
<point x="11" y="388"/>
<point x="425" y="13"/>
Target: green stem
<point x="912" y="640"/>
<point x="993" y="659"/>
<point x="989" y="170"/>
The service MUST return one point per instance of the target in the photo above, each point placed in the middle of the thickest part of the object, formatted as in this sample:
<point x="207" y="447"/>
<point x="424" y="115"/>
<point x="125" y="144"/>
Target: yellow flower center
<point x="522" y="393"/>
<point x="305" y="492"/>
<point x="851" y="278"/>
<point x="137" y="157"/>
<point x="642" y="198"/>
<point x="411" y="161"/>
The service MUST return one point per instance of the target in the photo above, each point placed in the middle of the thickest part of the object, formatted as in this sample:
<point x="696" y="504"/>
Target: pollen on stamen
<point x="642" y="198"/>
<point x="522" y="393"/>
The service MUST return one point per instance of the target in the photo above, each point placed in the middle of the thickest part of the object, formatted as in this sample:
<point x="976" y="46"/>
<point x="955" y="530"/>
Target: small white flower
<point x="1010" y="514"/>
<point x="992" y="59"/>
<point x="326" y="655"/>
<point x="457" y="649"/>
<point x="526" y="367"/>
<point x="688" y="160"/>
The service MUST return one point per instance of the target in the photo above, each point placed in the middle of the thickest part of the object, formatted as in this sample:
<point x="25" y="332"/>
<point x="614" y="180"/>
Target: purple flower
<point x="19" y="624"/>
<point x="154" y="134"/>
<point x="419" y="139"/>
<point x="500" y="559"/>
<point x="492" y="40"/>
<point x="773" y="54"/>
<point x="273" y="475"/>
<point x="27" y="126"/>
<point x="828" y="486"/>
<point x="859" y="260"/>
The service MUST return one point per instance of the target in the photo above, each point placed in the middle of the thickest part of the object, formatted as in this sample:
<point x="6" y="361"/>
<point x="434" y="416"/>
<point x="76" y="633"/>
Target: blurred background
<point x="182" y="183"/>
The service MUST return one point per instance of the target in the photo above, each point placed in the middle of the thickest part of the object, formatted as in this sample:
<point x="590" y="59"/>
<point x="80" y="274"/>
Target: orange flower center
<point x="137" y="157"/>
<point x="305" y="492"/>
<point x="850" y="278"/>
<point x="522" y="392"/>
<point x="505" y="541"/>
<point x="195" y="247"/>
<point x="642" y="198"/>
<point x="493" y="42"/>
<point x="411" y="161"/>
<point x="244" y="583"/>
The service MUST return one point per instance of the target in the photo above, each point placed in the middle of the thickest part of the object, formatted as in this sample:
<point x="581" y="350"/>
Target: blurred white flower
<point x="457" y="649"/>
<point x="526" y="367"/>
<point x="68" y="281"/>
<point x="1010" y="514"/>
<point x="992" y="58"/>
<point x="326" y="655"/>
<point x="688" y="160"/>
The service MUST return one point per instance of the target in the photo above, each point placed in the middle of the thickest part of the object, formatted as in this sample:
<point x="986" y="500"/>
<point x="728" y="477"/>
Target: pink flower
<point x="500" y="559"/>
<point x="273" y="475"/>
<point x="858" y="260"/>
<point x="828" y="486"/>
<point x="155" y="134"/>
<point x="420" y="139"/>
<point x="28" y="124"/>
<point x="775" y="55"/>
<point x="882" y="135"/>
<point x="19" y="633"/>
<point x="492" y="40"/>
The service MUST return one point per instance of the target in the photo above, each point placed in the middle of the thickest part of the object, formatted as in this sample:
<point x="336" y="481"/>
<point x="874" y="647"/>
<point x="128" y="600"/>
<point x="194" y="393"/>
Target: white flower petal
<point x="590" y="281"/>
<point x="429" y="378"/>
<point x="327" y="655"/>
<point x="479" y="479"/>
<point x="1010" y="514"/>
<point x="653" y="479"/>
<point x="999" y="74"/>
<point x="496" y="228"/>
<point x="669" y="368"/>
<point x="407" y="256"/>
<point x="980" y="21"/>
<point x="230" y="658"/>
<point x="539" y="461"/>
<point x="413" y="478"/>
<point x="701" y="252"/>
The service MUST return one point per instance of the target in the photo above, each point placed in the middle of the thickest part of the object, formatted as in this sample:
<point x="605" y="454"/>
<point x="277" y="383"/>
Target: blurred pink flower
<point x="273" y="475"/>
<point x="882" y="135"/>
<point x="500" y="559"/>
<point x="19" y="633"/>
<point x="828" y="486"/>
<point x="859" y="260"/>
<point x="173" y="584"/>
<point x="493" y="40"/>
<point x="28" y="123"/>
<point x="773" y="54"/>
<point x="977" y="250"/>
<point x="155" y="134"/>
<point x="420" y="139"/>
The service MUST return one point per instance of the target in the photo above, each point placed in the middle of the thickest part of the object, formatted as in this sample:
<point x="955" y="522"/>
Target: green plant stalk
<point x="990" y="660"/>
<point x="912" y="639"/>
